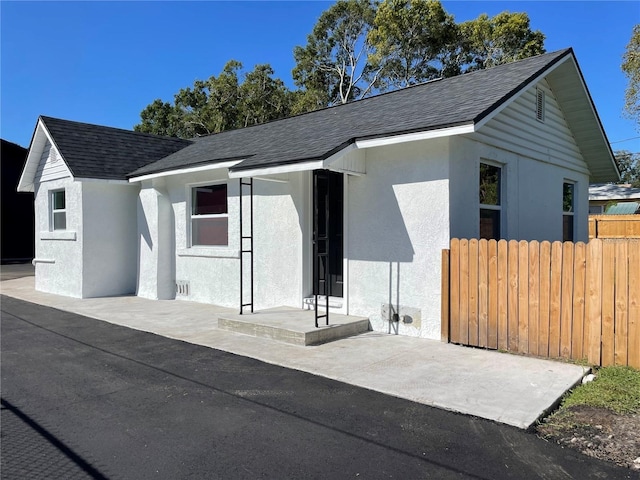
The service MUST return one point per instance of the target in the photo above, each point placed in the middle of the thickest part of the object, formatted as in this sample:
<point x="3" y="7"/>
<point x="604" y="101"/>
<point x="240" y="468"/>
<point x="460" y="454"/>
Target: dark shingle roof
<point x="94" y="151"/>
<point x="465" y="99"/>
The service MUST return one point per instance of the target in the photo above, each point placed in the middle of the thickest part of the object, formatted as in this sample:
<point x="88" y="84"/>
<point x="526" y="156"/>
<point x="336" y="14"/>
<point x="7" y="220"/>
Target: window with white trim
<point x="490" y="189"/>
<point x="209" y="215"/>
<point x="58" y="211"/>
<point x="568" y="207"/>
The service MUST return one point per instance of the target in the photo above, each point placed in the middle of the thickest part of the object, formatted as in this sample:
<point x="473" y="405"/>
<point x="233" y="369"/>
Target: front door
<point x="328" y="196"/>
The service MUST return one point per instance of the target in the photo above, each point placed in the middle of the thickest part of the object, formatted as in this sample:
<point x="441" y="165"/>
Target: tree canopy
<point x="629" y="166"/>
<point x="357" y="48"/>
<point x="631" y="68"/>
<point x="230" y="100"/>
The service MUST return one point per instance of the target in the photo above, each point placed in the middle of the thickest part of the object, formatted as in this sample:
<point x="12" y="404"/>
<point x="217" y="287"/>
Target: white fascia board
<point x="40" y="136"/>
<point x="533" y="82"/>
<point x="293" y="167"/>
<point x="412" y="137"/>
<point x="202" y="168"/>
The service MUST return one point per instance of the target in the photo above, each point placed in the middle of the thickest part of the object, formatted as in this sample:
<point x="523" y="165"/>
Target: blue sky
<point x="103" y="62"/>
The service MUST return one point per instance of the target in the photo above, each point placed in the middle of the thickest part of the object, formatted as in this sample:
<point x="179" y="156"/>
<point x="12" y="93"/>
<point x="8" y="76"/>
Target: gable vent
<point x="540" y="105"/>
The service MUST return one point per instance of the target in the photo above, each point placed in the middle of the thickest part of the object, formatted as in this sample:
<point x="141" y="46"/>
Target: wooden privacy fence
<point x="558" y="300"/>
<point x="614" y="226"/>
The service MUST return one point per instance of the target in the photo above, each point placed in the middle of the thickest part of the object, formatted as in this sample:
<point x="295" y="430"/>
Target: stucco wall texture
<point x="399" y="216"/>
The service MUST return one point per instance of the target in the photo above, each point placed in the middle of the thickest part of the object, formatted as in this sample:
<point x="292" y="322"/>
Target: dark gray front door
<point x="328" y="237"/>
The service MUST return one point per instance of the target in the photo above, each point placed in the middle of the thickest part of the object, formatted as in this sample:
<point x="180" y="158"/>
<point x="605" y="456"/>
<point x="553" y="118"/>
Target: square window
<point x="58" y="211"/>
<point x="209" y="215"/>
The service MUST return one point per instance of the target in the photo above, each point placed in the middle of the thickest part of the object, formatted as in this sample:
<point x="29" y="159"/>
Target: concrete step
<point x="292" y="325"/>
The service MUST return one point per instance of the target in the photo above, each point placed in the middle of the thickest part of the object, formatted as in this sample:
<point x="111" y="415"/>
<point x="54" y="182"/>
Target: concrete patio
<point x="506" y="388"/>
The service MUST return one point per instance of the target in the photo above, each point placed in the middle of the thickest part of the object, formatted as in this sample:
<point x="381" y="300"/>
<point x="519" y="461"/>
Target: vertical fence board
<point x="622" y="304"/>
<point x="566" y="301"/>
<point x="523" y="297"/>
<point x="544" y="307"/>
<point x="633" y="347"/>
<point x="534" y="296"/>
<point x="578" y="301"/>
<point x="464" y="291"/>
<point x="608" y="297"/>
<point x="512" y="296"/>
<point x="594" y="305"/>
<point x="454" y="296"/>
<point x="555" y="286"/>
<point x="473" y="292"/>
<point x="483" y="299"/>
<point x="548" y="299"/>
<point x="503" y="303"/>
<point x="444" y="297"/>
<point x="492" y="319"/>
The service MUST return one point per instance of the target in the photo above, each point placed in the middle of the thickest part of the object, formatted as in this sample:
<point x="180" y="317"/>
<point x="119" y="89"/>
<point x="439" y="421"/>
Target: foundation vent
<point x="182" y="288"/>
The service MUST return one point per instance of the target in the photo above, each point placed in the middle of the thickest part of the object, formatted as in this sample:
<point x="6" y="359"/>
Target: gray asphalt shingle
<point x="94" y="151"/>
<point x="464" y="99"/>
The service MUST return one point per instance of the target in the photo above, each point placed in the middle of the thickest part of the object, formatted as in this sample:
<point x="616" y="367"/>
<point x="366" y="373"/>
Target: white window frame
<point x="191" y="215"/>
<point x="53" y="210"/>
<point x="570" y="213"/>
<point x="499" y="207"/>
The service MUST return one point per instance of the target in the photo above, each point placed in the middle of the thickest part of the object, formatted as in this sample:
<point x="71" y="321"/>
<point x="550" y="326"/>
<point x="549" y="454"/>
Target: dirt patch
<point x="597" y="432"/>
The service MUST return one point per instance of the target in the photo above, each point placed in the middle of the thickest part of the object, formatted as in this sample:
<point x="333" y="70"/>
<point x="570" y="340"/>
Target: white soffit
<point x="201" y="168"/>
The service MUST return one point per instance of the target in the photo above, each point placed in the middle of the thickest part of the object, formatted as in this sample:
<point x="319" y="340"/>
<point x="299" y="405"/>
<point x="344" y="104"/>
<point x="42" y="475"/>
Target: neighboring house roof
<point x="94" y="151"/>
<point x="610" y="191"/>
<point x="623" y="208"/>
<point x="463" y="102"/>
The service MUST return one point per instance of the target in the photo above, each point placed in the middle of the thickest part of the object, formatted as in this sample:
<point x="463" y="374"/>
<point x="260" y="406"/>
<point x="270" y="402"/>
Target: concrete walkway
<point x="505" y="388"/>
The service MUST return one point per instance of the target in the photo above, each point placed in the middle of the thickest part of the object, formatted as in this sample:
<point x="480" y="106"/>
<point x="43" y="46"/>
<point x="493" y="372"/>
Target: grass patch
<point x="616" y="388"/>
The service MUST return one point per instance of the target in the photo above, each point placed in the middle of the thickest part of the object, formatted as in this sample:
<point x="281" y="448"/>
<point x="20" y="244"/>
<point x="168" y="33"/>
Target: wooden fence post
<point x="594" y="301"/>
<point x="444" y="307"/>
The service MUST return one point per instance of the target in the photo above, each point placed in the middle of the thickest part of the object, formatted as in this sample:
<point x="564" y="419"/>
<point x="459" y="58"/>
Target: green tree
<point x="631" y="68"/>
<point x="262" y="97"/>
<point x="629" y="167"/>
<point x="220" y="103"/>
<point x="160" y="118"/>
<point x="333" y="66"/>
<point x="412" y="39"/>
<point x="360" y="47"/>
<point x="507" y="37"/>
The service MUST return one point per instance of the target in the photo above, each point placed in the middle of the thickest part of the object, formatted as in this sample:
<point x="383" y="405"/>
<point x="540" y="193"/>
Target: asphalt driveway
<point x="107" y="401"/>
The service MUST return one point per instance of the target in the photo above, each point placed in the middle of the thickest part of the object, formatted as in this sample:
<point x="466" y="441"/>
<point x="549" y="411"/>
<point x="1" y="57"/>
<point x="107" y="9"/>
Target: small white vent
<point x="540" y="105"/>
<point x="182" y="288"/>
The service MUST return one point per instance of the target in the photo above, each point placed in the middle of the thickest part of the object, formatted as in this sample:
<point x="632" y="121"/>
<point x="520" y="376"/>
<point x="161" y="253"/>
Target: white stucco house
<point x="354" y="201"/>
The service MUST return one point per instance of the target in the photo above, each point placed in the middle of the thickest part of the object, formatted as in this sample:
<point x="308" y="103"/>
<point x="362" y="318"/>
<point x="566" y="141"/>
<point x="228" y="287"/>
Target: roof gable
<point x="94" y="151"/>
<point x="51" y="165"/>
